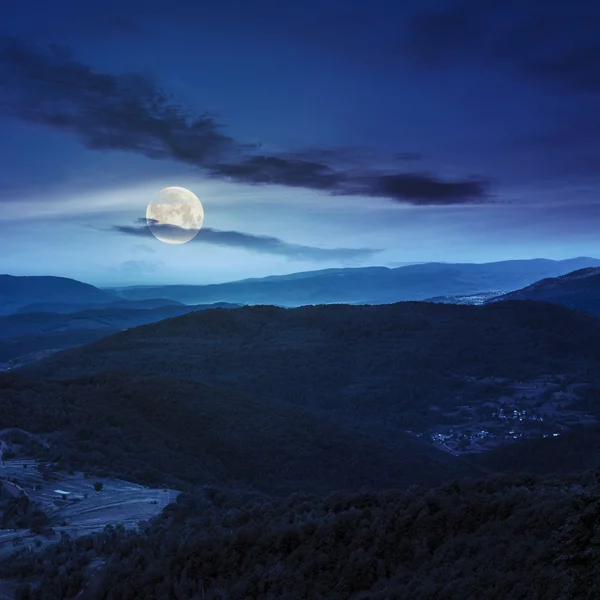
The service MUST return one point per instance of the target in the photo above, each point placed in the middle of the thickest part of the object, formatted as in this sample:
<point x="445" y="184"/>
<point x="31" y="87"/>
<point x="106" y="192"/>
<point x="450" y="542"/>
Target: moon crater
<point x="176" y="216"/>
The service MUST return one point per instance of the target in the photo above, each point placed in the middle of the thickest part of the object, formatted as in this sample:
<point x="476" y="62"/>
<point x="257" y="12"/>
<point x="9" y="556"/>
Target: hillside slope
<point x="258" y="388"/>
<point x="508" y="537"/>
<point x="24" y="335"/>
<point x="158" y="430"/>
<point x="71" y="307"/>
<point x="406" y="367"/>
<point x="365" y="359"/>
<point x="579" y="289"/>
<point x="16" y="292"/>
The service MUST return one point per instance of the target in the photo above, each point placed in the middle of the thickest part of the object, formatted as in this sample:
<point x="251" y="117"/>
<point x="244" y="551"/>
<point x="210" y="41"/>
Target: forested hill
<point x="162" y="431"/>
<point x="507" y="537"/>
<point x="382" y="370"/>
<point x="400" y="357"/>
<point x="259" y="413"/>
<point x="23" y="336"/>
<point x="579" y="289"/>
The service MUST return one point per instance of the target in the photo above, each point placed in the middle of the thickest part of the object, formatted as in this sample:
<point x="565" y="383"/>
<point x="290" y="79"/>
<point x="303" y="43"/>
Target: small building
<point x="64" y="495"/>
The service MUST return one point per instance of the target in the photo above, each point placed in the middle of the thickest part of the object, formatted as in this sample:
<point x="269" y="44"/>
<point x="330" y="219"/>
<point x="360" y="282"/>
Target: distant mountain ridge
<point x="368" y="285"/>
<point x="48" y="294"/>
<point x="16" y="292"/>
<point x="364" y="285"/>
<point x="579" y="289"/>
<point x="72" y="307"/>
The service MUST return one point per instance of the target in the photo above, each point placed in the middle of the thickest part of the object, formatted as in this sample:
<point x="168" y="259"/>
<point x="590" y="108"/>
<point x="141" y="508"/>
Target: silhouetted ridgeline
<point x="579" y="289"/>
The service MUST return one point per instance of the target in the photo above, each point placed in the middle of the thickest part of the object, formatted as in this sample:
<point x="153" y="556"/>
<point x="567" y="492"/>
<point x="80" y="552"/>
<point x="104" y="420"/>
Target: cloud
<point x="136" y="267"/>
<point x="409" y="156"/>
<point x="553" y="42"/>
<point x="262" y="244"/>
<point x="568" y="149"/>
<point x="426" y="189"/>
<point x="415" y="188"/>
<point x="107" y="112"/>
<point x="131" y="113"/>
<point x="279" y="170"/>
<point x="548" y="41"/>
<point x="144" y="248"/>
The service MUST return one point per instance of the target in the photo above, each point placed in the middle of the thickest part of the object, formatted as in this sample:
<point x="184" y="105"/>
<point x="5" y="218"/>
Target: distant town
<point x="539" y="408"/>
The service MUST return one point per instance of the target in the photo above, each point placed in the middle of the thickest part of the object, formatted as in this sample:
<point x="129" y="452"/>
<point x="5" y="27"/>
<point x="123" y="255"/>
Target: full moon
<point x="176" y="216"/>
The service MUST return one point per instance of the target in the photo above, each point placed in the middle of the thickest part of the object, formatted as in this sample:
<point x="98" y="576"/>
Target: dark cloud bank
<point x="130" y="113"/>
<point x="555" y="42"/>
<point x="552" y="42"/>
<point x="262" y="244"/>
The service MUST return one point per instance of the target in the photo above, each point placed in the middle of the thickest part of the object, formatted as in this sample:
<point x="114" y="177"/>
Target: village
<point x="540" y="408"/>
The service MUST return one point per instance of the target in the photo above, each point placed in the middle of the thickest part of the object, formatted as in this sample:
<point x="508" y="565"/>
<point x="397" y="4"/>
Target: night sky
<point x="316" y="133"/>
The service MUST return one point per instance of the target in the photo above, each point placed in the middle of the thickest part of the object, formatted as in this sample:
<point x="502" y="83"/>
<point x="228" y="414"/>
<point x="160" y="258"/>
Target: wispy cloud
<point x="131" y="113"/>
<point x="118" y="112"/>
<point x="413" y="187"/>
<point x="262" y="244"/>
<point x="144" y="248"/>
<point x="137" y="267"/>
<point x="409" y="156"/>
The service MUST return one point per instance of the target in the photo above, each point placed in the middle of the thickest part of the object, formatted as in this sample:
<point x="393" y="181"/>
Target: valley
<point x="222" y="435"/>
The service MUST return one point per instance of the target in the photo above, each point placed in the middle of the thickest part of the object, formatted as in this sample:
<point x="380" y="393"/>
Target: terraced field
<point x="84" y="510"/>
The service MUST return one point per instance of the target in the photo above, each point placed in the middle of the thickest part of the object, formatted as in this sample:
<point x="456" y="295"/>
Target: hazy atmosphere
<point x="316" y="134"/>
<point x="300" y="300"/>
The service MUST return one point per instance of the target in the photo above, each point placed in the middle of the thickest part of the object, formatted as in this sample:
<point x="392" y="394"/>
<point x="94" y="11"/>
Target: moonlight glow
<point x="176" y="216"/>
